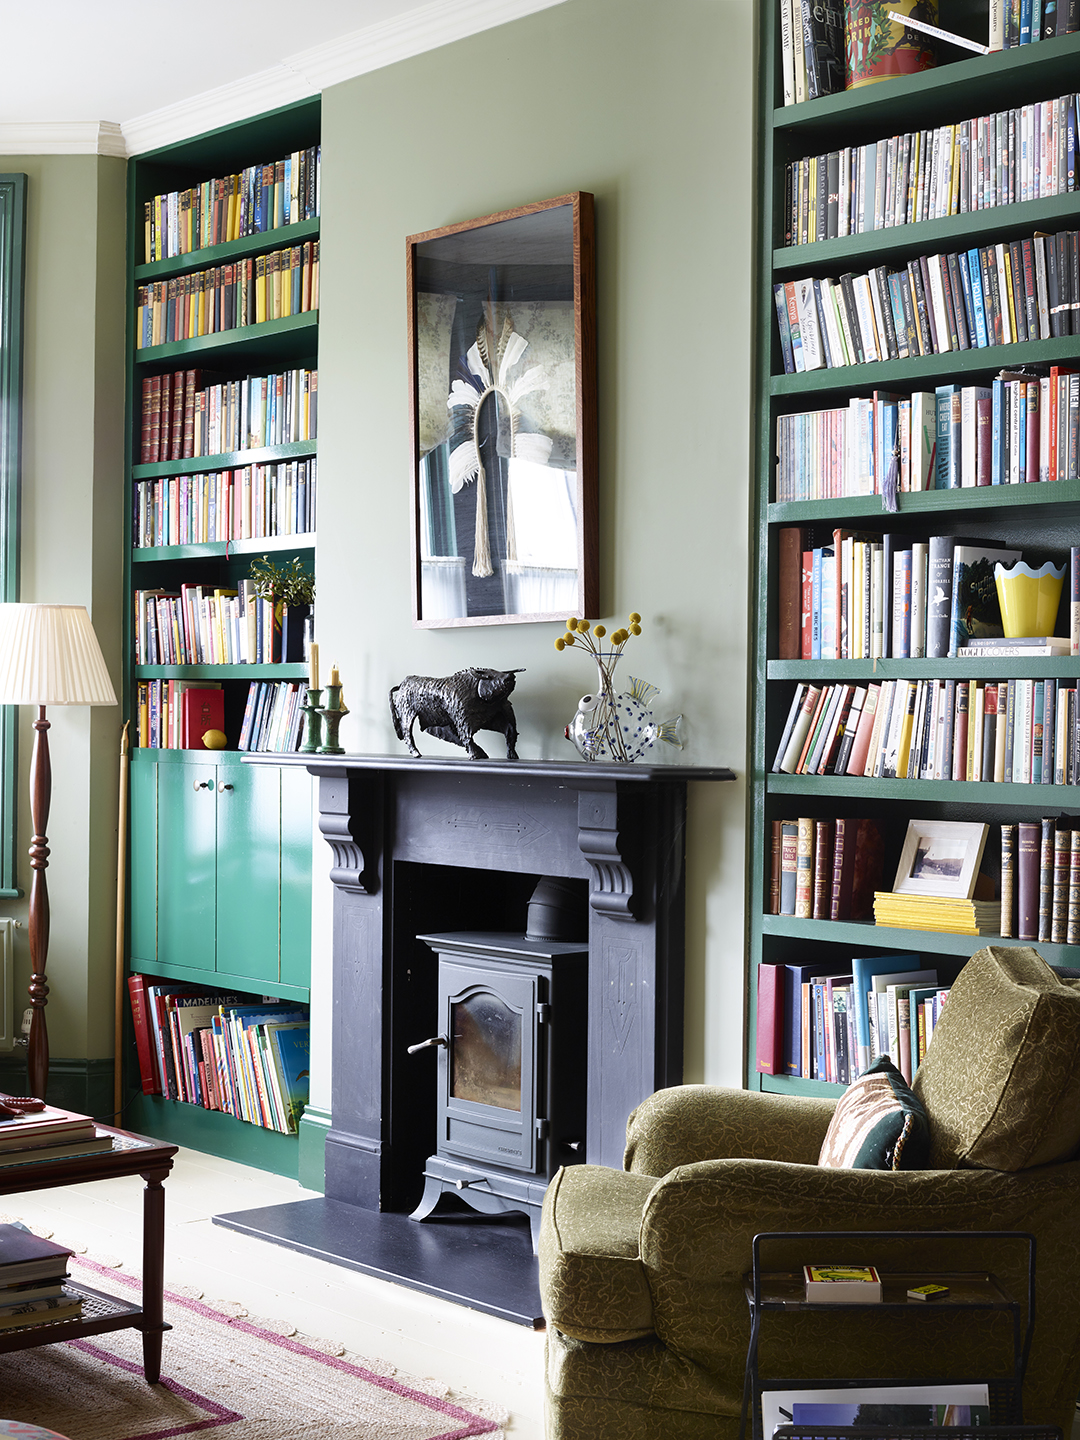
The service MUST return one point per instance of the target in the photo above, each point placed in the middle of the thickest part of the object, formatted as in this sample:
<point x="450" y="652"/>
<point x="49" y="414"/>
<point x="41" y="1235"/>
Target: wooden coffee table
<point x="130" y="1155"/>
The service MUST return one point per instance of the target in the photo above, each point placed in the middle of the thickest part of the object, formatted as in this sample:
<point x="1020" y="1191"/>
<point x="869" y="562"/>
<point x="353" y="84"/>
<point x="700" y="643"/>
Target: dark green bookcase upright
<point x="1044" y="516"/>
<point x="220" y="852"/>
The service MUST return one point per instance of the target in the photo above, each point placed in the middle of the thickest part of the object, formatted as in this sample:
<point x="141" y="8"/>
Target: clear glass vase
<point x="618" y="725"/>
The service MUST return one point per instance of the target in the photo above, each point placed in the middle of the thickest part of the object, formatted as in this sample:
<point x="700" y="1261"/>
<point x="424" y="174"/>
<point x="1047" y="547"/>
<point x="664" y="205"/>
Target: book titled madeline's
<point x="842" y="1284"/>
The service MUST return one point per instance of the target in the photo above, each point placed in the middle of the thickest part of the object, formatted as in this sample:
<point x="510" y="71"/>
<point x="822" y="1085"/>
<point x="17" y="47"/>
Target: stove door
<point x="487" y="1073"/>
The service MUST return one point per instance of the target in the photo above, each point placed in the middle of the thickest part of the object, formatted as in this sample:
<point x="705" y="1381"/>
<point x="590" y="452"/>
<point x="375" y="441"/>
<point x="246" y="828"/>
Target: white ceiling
<point x="156" y="72"/>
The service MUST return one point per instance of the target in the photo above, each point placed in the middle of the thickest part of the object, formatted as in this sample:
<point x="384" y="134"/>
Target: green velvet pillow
<point x="878" y="1124"/>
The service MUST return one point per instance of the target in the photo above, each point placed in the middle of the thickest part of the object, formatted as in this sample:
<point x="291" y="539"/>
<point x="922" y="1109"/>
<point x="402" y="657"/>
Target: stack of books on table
<point x="48" y="1134"/>
<point x="937" y="912"/>
<point x="32" y="1275"/>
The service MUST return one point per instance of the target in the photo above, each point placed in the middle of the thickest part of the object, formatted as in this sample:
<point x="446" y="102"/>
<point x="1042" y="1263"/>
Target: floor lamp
<point x="49" y="655"/>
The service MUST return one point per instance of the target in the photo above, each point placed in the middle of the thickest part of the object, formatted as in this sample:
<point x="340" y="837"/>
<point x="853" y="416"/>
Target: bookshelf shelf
<point x="220" y="864"/>
<point x="1042" y="519"/>
<point x="227" y="460"/>
<point x="294" y="336"/>
<point x="265" y="240"/>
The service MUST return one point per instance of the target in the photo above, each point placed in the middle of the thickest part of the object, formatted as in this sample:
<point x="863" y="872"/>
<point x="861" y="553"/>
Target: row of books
<point x="207" y="625"/>
<point x="989" y="295"/>
<point x="866" y="596"/>
<point x="1020" y="732"/>
<point x="252" y="502"/>
<point x="176" y="714"/>
<point x="258" y="199"/>
<point x="246" y="1057"/>
<point x="1023" y="427"/>
<point x="832" y="1026"/>
<point x="273" y="717"/>
<point x="1040" y="880"/>
<point x="226" y="297"/>
<point x="825" y="869"/>
<point x="183" y="418"/>
<point x="1025" y="153"/>
<point x="33" y="1272"/>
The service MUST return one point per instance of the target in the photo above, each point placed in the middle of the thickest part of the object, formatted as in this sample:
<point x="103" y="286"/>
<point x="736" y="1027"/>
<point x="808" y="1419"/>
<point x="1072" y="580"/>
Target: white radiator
<point x="9" y="1021"/>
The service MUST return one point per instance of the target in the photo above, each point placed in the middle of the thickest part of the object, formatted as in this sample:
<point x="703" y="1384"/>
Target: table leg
<point x="153" y="1284"/>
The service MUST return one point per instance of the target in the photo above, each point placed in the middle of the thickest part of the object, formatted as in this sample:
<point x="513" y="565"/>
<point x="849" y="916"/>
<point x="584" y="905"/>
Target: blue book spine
<point x="1038" y="701"/>
<point x="998" y="474"/>
<point x="1025" y="22"/>
<point x="1010" y="730"/>
<point x="978" y="309"/>
<point x="785" y="329"/>
<point x="815" y="617"/>
<point x="1049" y="734"/>
<point x="944" y="432"/>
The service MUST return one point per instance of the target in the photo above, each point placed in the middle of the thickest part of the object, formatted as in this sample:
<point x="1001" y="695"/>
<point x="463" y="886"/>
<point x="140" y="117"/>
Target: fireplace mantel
<point x="432" y="844"/>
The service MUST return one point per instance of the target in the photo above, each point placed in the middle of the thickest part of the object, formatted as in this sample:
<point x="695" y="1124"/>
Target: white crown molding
<point x="310" y="71"/>
<point x="62" y="137"/>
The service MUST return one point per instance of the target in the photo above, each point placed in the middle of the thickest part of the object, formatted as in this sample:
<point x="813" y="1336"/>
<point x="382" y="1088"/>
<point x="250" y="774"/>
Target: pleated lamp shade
<point x="49" y="655"/>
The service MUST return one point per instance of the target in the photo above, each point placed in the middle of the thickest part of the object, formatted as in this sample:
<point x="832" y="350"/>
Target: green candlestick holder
<point x="312" y="723"/>
<point x="333" y="712"/>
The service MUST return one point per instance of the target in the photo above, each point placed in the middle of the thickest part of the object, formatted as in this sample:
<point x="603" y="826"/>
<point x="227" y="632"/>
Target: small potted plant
<point x="291" y="591"/>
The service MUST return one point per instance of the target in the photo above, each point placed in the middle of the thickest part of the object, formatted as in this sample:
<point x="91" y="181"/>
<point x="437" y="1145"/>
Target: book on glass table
<point x="842" y="1284"/>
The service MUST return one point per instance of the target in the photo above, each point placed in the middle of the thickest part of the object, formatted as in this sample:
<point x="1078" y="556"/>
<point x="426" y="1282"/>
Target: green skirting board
<point x="214" y="1134"/>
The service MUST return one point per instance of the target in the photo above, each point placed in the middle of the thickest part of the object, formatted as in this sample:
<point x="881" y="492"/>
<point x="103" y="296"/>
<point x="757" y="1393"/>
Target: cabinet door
<point x="187" y="842"/>
<point x="297" y="791"/>
<point x="249" y="871"/>
<point x="144" y="846"/>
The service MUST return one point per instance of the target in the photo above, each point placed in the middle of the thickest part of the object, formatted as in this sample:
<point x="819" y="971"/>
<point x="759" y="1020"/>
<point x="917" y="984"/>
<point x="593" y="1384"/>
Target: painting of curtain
<point x="503" y="506"/>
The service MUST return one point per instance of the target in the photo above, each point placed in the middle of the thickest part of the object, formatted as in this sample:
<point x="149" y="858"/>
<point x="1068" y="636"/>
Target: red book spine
<point x="1031" y="452"/>
<point x="202" y="710"/>
<point x="770" y="1019"/>
<point x="1027" y="871"/>
<point x="806" y="618"/>
<point x="146" y="433"/>
<point x="789" y="593"/>
<point x="143" y="1044"/>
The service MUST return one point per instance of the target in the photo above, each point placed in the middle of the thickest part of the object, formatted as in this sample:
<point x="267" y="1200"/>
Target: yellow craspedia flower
<point x="567" y="639"/>
<point x="635" y="618"/>
<point x="635" y="630"/>
<point x="583" y="627"/>
<point x="572" y="623"/>
<point x="560" y="643"/>
<point x="619" y="636"/>
<point x="600" y="631"/>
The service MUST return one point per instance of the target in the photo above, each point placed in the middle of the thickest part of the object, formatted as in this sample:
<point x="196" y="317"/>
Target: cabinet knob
<point x="223" y="787"/>
<point x="202" y="784"/>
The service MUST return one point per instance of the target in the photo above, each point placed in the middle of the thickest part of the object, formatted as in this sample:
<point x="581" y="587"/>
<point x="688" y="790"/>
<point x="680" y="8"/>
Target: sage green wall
<point x="649" y="107"/>
<point x="72" y="487"/>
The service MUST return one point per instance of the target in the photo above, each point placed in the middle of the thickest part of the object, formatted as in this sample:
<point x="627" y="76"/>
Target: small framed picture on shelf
<point x="940" y="857"/>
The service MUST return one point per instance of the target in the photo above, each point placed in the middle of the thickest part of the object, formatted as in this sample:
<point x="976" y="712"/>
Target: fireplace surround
<point x="425" y="847"/>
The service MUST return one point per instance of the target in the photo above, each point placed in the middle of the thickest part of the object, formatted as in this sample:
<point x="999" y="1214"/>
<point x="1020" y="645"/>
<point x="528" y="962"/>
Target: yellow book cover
<point x="260" y="289"/>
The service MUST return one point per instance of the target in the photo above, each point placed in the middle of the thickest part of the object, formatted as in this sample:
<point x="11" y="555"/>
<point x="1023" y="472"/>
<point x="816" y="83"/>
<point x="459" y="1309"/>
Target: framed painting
<point x="502" y="373"/>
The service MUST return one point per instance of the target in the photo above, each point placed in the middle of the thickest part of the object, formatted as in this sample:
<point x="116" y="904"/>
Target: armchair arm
<point x="691" y="1123"/>
<point x="592" y="1282"/>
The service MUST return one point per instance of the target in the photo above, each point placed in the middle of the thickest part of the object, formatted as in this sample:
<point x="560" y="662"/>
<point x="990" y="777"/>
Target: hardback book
<point x="24" y="1257"/>
<point x="939" y="596"/>
<point x="823" y="48"/>
<point x="1008" y="879"/>
<point x="1046" y="877"/>
<point x="202" y="709"/>
<point x="804" y="869"/>
<point x="1072" y="932"/>
<point x="842" y="1284"/>
<point x="44" y="1127"/>
<point x="975" y="612"/>
<point x="1059" y="907"/>
<point x="1027" y="874"/>
<point x="789" y="865"/>
<point x="56" y="1149"/>
<point x="65" y="1306"/>
<point x="822" y="872"/>
<point x="770" y="1019"/>
<point x="858" y="858"/>
<point x="792" y="540"/>
<point x="797" y="976"/>
<point x="863" y="969"/>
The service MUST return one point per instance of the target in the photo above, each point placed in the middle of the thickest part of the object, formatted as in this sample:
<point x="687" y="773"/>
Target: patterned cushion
<point x="878" y="1124"/>
<point x="1001" y="1080"/>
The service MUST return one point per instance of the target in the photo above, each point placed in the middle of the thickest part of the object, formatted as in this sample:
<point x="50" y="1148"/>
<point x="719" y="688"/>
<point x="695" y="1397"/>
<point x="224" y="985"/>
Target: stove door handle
<point x="425" y="1044"/>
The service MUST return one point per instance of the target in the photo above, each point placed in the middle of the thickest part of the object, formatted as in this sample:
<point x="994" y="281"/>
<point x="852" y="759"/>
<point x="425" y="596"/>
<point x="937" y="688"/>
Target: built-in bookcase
<point x="1041" y="517"/>
<point x="208" y="849"/>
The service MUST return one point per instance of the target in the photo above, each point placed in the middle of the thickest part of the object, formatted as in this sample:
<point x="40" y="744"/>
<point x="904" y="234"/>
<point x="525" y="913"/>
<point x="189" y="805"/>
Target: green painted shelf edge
<point x="1045" y="668"/>
<point x="865" y="935"/>
<point x="927" y="237"/>
<point x="293" y="671"/>
<point x="956" y="792"/>
<point x="212" y="1133"/>
<point x="223" y="549"/>
<point x="284" y="238"/>
<point x="252" y="338"/>
<point x="219" y="980"/>
<point x="229" y="460"/>
<point x="928" y="502"/>
<point x="956" y="90"/>
<point x="796" y="1085"/>
<point x="927" y="369"/>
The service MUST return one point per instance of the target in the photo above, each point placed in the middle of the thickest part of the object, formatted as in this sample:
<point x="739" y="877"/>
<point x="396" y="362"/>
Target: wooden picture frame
<point x="502" y="384"/>
<point x="941" y="858"/>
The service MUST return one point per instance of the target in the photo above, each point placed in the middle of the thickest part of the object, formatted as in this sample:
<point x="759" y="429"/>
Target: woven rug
<point x="226" y="1374"/>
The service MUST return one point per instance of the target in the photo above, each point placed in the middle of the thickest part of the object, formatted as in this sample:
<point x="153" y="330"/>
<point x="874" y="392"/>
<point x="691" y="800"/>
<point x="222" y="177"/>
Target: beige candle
<point x="313" y="666"/>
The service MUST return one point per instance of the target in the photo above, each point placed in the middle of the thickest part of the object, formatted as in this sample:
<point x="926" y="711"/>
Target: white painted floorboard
<point x="424" y="1337"/>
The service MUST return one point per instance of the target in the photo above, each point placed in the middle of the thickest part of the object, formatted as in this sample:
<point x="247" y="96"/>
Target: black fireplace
<point x="510" y="1089"/>
<point x="446" y="848"/>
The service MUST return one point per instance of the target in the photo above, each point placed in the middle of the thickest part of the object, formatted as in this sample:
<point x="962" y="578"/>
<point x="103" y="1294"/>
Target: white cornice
<point x="62" y="137"/>
<point x="310" y="71"/>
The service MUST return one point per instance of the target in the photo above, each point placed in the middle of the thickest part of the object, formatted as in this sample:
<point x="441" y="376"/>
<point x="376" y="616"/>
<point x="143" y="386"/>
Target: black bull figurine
<point x="456" y="706"/>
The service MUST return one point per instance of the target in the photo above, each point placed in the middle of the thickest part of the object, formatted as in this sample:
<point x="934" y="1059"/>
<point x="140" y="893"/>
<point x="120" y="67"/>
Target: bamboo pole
<point x="121" y="895"/>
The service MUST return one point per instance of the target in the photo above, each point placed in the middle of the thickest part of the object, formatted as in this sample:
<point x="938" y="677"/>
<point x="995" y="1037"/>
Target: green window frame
<point x="12" y="278"/>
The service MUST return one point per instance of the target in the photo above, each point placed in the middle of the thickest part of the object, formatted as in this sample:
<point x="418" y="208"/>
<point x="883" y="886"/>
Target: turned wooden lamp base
<point x="37" y="1054"/>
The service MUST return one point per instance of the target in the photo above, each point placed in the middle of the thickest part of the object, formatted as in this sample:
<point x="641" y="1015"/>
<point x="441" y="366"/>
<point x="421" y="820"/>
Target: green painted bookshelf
<point x="220" y="854"/>
<point x="1040" y="517"/>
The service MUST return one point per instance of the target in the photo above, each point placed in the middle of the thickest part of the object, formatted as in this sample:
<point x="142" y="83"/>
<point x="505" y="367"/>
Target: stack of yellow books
<point x="937" y="912"/>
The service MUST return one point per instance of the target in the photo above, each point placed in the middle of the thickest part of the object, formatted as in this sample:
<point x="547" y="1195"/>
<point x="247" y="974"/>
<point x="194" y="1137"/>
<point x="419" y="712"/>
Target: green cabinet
<point x="221" y="871"/>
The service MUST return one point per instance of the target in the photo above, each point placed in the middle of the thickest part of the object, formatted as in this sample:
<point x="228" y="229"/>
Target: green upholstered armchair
<point x="641" y="1270"/>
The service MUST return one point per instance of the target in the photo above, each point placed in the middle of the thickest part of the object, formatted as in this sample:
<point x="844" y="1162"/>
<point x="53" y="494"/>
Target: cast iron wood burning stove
<point x="511" y="1069"/>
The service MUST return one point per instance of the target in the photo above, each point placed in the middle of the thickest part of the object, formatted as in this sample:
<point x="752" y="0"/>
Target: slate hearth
<point x="434" y="845"/>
